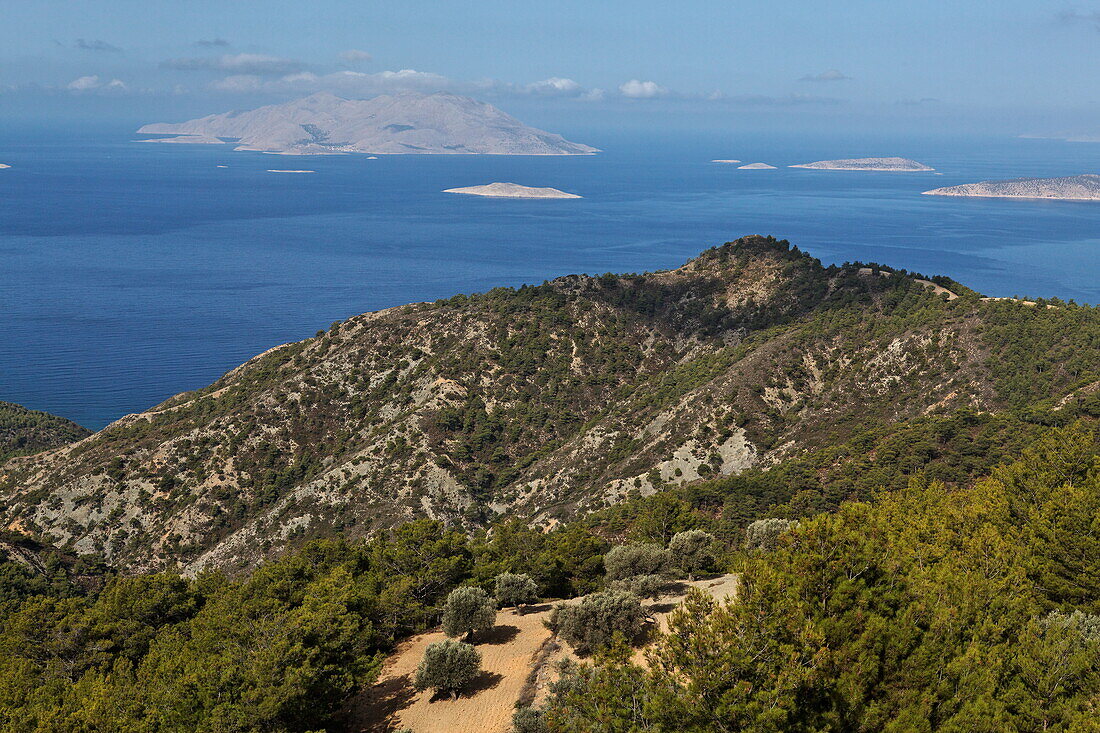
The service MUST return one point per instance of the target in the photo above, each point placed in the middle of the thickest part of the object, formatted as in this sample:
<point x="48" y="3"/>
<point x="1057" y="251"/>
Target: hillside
<point x="546" y="402"/>
<point x="867" y="164"/>
<point x="24" y="431"/>
<point x="406" y="123"/>
<point x="1070" y="188"/>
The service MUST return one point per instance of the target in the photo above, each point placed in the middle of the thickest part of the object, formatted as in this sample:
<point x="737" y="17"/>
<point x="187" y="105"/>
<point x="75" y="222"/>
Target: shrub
<point x="515" y="590"/>
<point x="763" y="534"/>
<point x="629" y="561"/>
<point x="692" y="551"/>
<point x="529" y="720"/>
<point x="644" y="586"/>
<point x="468" y="610"/>
<point x="447" y="666"/>
<point x="593" y="621"/>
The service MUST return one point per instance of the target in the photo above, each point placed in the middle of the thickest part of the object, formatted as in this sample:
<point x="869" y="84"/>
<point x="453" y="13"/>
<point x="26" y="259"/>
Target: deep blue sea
<point x="131" y="272"/>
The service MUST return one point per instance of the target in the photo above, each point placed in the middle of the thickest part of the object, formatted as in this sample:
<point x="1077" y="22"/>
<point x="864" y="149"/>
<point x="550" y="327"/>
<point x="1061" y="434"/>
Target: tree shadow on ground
<point x="537" y="608"/>
<point x="498" y="635"/>
<point x="661" y="607"/>
<point x="373" y="710"/>
<point x="483" y="681"/>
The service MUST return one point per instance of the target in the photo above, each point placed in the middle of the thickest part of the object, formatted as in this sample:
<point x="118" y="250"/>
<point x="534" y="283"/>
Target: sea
<point x="132" y="271"/>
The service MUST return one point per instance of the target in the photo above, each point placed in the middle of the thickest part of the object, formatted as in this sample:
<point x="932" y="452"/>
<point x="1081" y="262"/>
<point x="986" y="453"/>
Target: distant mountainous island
<point x="406" y="123"/>
<point x="867" y="164"/>
<point x="756" y="167"/>
<point x="512" y="191"/>
<point x="1085" y="187"/>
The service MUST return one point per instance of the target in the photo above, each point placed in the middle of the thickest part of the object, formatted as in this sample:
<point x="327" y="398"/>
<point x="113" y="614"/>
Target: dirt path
<point x="508" y="652"/>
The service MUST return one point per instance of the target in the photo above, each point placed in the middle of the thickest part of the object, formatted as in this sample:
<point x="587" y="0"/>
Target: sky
<point x="1020" y="66"/>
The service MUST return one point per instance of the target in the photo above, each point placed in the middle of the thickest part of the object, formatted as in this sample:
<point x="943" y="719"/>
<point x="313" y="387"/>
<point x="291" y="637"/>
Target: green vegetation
<point x="23" y="431"/>
<point x="595" y="620"/>
<point x="516" y="590"/>
<point x="929" y="609"/>
<point x="447" y="666"/>
<point x="908" y="486"/>
<point x="628" y="561"/>
<point x="555" y="400"/>
<point x="279" y="650"/>
<point x="844" y="621"/>
<point x="468" y="610"/>
<point x="692" y="552"/>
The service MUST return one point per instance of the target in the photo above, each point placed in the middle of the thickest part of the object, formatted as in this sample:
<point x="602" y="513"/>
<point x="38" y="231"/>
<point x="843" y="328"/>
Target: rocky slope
<point x="324" y="124"/>
<point x="541" y="402"/>
<point x="1072" y="188"/>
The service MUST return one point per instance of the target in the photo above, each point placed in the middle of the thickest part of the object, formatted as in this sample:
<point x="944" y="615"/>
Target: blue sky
<point x="1009" y="63"/>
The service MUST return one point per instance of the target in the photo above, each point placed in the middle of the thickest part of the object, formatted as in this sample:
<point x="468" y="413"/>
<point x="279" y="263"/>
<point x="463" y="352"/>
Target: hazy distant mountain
<point x="867" y="164"/>
<point x="324" y="124"/>
<point x="1077" y="188"/>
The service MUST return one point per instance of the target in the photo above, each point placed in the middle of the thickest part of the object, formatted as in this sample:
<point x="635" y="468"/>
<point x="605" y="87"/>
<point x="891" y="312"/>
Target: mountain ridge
<point x="541" y="402"/>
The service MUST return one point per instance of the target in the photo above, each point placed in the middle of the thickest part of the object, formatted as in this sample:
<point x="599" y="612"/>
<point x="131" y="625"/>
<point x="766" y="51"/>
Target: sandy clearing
<point x="509" y="653"/>
<point x="937" y="289"/>
<point x="486" y="707"/>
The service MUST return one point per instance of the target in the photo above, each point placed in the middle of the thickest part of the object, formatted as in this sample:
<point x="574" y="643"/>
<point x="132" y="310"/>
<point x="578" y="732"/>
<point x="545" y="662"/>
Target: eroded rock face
<point x="900" y="165"/>
<point x="407" y="123"/>
<point x="1070" y="188"/>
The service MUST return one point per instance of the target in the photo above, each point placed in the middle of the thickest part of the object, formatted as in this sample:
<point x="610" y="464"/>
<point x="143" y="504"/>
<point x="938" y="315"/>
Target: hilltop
<point x="406" y="123"/>
<point x="551" y="402"/>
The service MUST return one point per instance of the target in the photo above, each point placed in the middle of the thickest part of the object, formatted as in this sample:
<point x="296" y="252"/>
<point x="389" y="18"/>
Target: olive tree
<point x="447" y="666"/>
<point x="467" y="611"/>
<point x="629" y="561"/>
<point x="592" y="622"/>
<point x="516" y="590"/>
<point x="763" y="534"/>
<point x="644" y="586"/>
<point x="692" y="551"/>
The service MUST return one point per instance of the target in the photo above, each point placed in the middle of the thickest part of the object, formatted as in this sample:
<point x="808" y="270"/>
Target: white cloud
<point x="556" y="85"/>
<point x="635" y="89"/>
<point x="355" y="56"/>
<point x="93" y="83"/>
<point x="829" y="75"/>
<point x="241" y="63"/>
<point x="84" y="83"/>
<point x="354" y="83"/>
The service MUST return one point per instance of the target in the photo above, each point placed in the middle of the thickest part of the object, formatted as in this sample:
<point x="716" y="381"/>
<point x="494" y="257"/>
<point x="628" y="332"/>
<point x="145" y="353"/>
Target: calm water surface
<point x="131" y="272"/>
